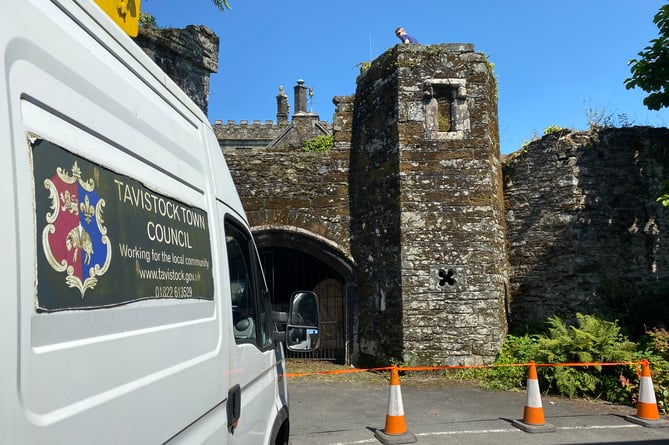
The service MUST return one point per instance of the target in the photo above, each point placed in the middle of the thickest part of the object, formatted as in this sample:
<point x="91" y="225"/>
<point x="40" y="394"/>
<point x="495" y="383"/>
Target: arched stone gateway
<point x="412" y="205"/>
<point x="407" y="204"/>
<point x="296" y="260"/>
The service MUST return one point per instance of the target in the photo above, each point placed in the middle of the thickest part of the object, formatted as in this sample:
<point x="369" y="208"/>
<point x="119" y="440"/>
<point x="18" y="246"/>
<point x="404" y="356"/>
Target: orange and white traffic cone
<point x="533" y="414"/>
<point x="395" y="431"/>
<point x="647" y="413"/>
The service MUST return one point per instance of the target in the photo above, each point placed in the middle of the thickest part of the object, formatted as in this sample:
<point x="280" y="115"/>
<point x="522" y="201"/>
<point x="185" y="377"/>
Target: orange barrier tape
<point x="337" y="371"/>
<point x="444" y="368"/>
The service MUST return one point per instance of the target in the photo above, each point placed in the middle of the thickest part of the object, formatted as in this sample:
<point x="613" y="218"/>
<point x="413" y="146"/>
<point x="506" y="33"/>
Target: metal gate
<point x="288" y="270"/>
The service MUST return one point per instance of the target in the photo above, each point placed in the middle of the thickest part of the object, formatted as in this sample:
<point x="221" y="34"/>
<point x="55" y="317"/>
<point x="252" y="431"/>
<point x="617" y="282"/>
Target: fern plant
<point x="590" y="340"/>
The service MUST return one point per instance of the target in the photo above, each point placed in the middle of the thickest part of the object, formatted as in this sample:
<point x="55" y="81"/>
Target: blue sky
<point x="556" y="62"/>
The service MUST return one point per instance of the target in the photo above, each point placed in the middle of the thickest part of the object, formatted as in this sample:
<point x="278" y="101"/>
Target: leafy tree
<point x="221" y="4"/>
<point x="149" y="21"/>
<point x="651" y="71"/>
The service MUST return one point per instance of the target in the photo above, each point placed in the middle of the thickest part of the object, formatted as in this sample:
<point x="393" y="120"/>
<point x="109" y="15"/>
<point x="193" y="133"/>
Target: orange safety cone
<point x="647" y="413"/>
<point x="533" y="414"/>
<point x="395" y="431"/>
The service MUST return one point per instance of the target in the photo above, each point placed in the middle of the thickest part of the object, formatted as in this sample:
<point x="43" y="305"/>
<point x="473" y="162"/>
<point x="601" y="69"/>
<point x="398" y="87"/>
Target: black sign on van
<point x="105" y="239"/>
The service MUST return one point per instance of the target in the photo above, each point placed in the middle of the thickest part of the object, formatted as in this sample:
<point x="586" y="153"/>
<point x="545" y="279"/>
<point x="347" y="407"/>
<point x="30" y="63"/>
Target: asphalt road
<point x="329" y="413"/>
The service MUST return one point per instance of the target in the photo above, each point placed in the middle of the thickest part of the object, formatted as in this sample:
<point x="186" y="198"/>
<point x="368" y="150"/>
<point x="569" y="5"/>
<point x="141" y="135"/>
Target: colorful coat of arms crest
<point x="75" y="239"/>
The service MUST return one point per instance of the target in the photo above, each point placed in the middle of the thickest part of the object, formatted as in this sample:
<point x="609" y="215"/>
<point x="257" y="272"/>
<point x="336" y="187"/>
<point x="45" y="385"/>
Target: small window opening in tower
<point x="446" y="95"/>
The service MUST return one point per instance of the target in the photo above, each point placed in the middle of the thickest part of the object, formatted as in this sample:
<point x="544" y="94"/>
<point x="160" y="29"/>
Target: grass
<point x="349" y="374"/>
<point x="342" y="373"/>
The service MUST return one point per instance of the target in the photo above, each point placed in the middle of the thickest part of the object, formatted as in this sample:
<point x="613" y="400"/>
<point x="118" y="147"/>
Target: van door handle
<point x="234" y="407"/>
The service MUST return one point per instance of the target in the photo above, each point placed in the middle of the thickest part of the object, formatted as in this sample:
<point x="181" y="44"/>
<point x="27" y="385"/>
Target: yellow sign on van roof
<point x="125" y="13"/>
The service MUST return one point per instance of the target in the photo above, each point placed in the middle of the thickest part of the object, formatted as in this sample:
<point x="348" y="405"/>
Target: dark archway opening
<point x="314" y="267"/>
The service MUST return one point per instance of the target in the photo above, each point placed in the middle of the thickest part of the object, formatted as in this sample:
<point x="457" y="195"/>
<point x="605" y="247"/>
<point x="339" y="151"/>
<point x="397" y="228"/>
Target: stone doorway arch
<point x="298" y="260"/>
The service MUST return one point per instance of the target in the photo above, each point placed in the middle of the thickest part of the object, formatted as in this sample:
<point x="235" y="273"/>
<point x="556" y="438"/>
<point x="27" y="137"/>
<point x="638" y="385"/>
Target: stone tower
<point x="187" y="55"/>
<point x="427" y="216"/>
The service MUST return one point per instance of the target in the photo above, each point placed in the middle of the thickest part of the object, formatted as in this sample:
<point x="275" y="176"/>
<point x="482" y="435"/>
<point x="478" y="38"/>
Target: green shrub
<point x="654" y="347"/>
<point x="552" y="129"/>
<point x="588" y="340"/>
<point x="147" y="20"/>
<point x="319" y="143"/>
<point x="516" y="349"/>
<point x="591" y="340"/>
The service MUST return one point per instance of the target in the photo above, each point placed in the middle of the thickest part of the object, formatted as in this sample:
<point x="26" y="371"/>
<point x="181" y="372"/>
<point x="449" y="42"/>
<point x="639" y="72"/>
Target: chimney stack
<point x="300" y="97"/>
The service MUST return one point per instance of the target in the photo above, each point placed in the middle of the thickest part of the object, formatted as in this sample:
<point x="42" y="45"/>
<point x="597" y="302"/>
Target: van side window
<point x="250" y="311"/>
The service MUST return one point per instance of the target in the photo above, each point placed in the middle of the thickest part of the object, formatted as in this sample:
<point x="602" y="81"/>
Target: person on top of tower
<point x="404" y="37"/>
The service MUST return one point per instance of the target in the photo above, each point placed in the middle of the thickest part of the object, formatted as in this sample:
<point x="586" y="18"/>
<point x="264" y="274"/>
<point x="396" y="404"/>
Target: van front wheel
<point x="282" y="436"/>
<point x="281" y="428"/>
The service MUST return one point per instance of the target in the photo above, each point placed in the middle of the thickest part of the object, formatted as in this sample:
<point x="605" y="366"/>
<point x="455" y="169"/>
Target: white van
<point x="133" y="307"/>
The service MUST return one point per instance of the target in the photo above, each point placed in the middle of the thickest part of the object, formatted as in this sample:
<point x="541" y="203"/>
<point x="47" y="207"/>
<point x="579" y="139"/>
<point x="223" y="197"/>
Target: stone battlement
<point x="281" y="134"/>
<point x="244" y="122"/>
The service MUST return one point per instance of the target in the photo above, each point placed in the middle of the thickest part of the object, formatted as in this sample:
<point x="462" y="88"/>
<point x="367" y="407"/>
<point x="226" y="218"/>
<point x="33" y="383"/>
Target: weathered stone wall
<point x="427" y="222"/>
<point x="375" y="214"/>
<point x="187" y="55"/>
<point x="582" y="217"/>
<point x="294" y="191"/>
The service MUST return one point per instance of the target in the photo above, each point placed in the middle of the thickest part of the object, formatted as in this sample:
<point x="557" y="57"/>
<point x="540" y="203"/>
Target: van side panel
<point x="120" y="363"/>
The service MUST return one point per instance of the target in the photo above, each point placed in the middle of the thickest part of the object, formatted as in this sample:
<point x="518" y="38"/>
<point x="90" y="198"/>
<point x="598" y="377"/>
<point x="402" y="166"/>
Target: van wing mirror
<point x="302" y="329"/>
